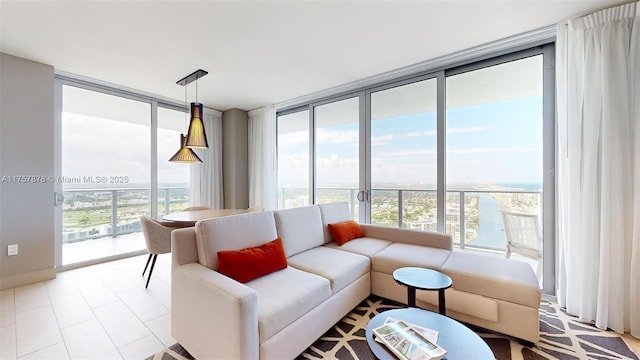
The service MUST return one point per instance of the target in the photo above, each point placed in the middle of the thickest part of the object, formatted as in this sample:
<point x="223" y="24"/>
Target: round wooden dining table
<point x="191" y="217"/>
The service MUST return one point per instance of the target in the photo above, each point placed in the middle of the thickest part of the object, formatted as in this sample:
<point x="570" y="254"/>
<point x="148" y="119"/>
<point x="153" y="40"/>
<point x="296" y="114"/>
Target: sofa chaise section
<point x="495" y="293"/>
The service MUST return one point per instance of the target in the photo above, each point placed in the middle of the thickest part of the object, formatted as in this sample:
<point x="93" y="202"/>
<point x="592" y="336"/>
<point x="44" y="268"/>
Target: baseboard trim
<point x="9" y="282"/>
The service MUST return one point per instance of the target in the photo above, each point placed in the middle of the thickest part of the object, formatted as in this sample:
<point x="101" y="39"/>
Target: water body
<point x="490" y="229"/>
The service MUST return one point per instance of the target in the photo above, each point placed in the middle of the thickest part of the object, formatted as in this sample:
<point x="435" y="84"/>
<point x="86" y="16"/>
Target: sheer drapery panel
<point x="206" y="178"/>
<point x="262" y="158"/>
<point x="598" y="162"/>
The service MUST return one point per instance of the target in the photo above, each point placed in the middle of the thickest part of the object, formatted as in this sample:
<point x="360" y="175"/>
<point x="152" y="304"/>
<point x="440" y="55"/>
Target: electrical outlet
<point x="12" y="249"/>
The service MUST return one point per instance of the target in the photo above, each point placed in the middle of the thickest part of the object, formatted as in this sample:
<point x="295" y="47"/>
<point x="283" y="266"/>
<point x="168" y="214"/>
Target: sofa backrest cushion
<point x="299" y="228"/>
<point x="233" y="233"/>
<point x="331" y="214"/>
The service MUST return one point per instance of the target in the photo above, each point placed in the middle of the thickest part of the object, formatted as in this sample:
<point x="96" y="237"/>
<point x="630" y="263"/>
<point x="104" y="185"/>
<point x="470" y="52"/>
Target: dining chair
<point x="523" y="236"/>
<point x="157" y="237"/>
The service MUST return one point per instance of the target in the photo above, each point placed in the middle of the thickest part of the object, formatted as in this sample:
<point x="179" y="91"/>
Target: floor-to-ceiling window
<point x="337" y="152"/>
<point x="293" y="159"/>
<point x="106" y="175"/>
<point x="403" y="155"/>
<point x="173" y="178"/>
<point x="494" y="148"/>
<point x="447" y="150"/>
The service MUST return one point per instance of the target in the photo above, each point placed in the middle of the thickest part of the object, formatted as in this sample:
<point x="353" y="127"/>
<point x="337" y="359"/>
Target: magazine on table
<point x="430" y="334"/>
<point x="407" y="342"/>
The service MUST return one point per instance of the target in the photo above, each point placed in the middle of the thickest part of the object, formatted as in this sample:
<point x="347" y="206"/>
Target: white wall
<point x="26" y="148"/>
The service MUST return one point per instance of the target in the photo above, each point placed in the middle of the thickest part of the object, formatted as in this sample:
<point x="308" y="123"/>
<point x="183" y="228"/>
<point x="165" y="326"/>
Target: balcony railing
<point x="96" y="213"/>
<point x="472" y="215"/>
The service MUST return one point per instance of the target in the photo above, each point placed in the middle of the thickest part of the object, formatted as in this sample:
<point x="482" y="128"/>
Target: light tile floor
<point x="97" y="312"/>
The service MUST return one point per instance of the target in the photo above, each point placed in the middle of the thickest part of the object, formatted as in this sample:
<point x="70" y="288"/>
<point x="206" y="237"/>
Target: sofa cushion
<point x="341" y="268"/>
<point x="251" y="263"/>
<point x="494" y="277"/>
<point x="344" y="231"/>
<point x="333" y="213"/>
<point x="408" y="236"/>
<point x="299" y="228"/>
<point x="232" y="233"/>
<point x="286" y="295"/>
<point x="398" y="255"/>
<point x="363" y="246"/>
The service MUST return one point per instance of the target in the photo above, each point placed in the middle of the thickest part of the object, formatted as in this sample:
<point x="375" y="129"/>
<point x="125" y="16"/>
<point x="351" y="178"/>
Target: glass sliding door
<point x="494" y="152"/>
<point x="337" y="153"/>
<point x="106" y="171"/>
<point x="441" y="151"/>
<point x="293" y="159"/>
<point x="173" y="178"/>
<point x="403" y="156"/>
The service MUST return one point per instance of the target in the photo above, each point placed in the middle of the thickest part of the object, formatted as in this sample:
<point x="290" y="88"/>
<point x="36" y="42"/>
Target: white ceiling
<point x="259" y="52"/>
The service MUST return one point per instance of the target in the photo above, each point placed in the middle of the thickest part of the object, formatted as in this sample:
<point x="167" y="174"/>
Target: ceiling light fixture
<point x="196" y="135"/>
<point x="184" y="154"/>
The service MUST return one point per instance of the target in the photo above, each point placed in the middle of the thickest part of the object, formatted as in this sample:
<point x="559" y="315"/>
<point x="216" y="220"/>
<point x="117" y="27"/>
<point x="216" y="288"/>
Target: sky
<point x="493" y="134"/>
<point x="109" y="135"/>
<point x="93" y="146"/>
<point x="489" y="143"/>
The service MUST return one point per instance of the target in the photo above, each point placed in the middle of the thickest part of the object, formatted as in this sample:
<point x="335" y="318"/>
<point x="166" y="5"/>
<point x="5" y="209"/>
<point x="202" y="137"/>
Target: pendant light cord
<point x="186" y="106"/>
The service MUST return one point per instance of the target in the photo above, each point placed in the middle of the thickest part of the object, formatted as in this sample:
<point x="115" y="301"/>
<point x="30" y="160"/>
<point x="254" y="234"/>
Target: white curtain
<point x="598" y="149"/>
<point x="262" y="158"/>
<point x="206" y="178"/>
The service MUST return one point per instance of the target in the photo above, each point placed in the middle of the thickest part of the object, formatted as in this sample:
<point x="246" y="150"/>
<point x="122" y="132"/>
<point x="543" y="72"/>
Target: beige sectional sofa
<point x="278" y="315"/>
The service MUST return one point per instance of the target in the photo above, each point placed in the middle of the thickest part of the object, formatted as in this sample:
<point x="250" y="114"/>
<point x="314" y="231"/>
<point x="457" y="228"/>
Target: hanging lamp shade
<point x="184" y="154"/>
<point x="196" y="135"/>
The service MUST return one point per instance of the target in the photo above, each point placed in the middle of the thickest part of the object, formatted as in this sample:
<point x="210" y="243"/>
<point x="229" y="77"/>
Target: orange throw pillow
<point x="251" y="263"/>
<point x="345" y="231"/>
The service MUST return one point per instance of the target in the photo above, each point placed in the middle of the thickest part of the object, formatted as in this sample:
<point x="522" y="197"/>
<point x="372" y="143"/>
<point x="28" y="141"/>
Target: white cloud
<point x="403" y="173"/>
<point x="409" y="153"/>
<point x="478" y="150"/>
<point x="449" y="131"/>
<point x="100" y="147"/>
<point x="482" y="150"/>
<point x="382" y="139"/>
<point x="323" y="136"/>
<point x="336" y="162"/>
<point x="293" y="138"/>
<point x="293" y="169"/>
<point x="422" y="133"/>
<point x="328" y="136"/>
<point x="467" y="129"/>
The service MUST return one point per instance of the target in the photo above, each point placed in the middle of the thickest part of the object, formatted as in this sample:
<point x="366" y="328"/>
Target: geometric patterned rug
<point x="561" y="337"/>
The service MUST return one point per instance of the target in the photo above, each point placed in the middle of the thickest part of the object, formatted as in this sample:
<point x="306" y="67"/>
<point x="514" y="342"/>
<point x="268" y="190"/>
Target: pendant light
<point x="184" y="154"/>
<point x="196" y="134"/>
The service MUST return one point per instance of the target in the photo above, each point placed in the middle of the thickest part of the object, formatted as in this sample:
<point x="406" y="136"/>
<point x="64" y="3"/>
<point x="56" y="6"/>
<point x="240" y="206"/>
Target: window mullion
<point x="441" y="107"/>
<point x="154" y="159"/>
